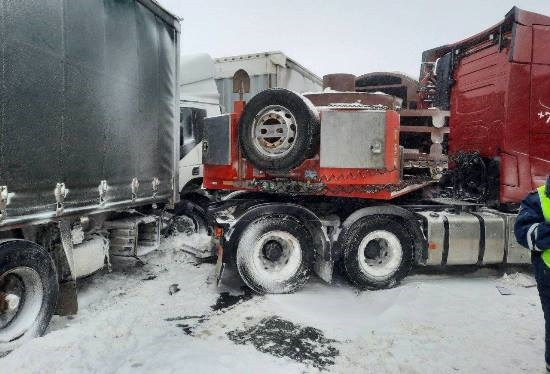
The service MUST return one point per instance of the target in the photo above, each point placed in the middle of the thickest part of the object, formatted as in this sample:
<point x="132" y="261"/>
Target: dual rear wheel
<point x="377" y="252"/>
<point x="275" y="253"/>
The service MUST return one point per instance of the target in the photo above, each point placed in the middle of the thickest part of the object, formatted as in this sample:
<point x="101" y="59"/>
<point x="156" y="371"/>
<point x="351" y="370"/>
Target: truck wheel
<point x="378" y="252"/>
<point x="273" y="254"/>
<point x="278" y="130"/>
<point x="28" y="292"/>
<point x="191" y="216"/>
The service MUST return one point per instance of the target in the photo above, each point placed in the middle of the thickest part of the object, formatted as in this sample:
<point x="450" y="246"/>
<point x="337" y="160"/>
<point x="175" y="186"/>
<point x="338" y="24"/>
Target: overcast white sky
<point x="338" y="36"/>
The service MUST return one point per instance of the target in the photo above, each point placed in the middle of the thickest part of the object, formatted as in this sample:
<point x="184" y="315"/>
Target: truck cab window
<point x="191" y="129"/>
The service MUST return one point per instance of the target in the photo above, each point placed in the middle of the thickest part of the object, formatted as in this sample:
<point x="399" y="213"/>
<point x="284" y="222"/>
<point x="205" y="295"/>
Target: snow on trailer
<point x="89" y="147"/>
<point x="352" y="177"/>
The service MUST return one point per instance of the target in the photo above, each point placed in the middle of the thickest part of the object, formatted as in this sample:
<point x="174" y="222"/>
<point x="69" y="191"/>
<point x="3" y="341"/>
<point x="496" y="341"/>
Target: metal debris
<point x="173" y="289"/>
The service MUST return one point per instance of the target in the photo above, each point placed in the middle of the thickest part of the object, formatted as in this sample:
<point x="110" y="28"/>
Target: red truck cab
<point x="496" y="85"/>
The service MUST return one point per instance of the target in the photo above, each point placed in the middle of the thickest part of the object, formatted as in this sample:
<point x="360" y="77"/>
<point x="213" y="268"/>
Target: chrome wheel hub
<point x="277" y="255"/>
<point x="380" y="254"/>
<point x="274" y="131"/>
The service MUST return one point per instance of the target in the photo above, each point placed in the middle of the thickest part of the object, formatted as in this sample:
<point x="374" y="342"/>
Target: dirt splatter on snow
<point x="226" y="299"/>
<point x="282" y="338"/>
<point x="189" y="328"/>
<point x="185" y="318"/>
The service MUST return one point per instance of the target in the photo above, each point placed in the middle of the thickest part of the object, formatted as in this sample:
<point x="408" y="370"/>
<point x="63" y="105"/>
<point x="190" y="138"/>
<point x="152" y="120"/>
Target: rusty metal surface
<point x="339" y="82"/>
<point x="328" y="98"/>
<point x="241" y="82"/>
<point x="396" y="84"/>
<point x="423" y="134"/>
<point x="438" y="117"/>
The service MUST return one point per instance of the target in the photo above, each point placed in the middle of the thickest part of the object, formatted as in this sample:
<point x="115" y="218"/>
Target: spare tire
<point x="278" y="130"/>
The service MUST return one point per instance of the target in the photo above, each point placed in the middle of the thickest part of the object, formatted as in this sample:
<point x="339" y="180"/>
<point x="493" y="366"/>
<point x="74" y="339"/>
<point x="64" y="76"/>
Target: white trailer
<point x="262" y="71"/>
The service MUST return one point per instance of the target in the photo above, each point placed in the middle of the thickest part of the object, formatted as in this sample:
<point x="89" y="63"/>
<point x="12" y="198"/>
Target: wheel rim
<point x="380" y="254"/>
<point x="277" y="255"/>
<point x="25" y="284"/>
<point x="274" y="131"/>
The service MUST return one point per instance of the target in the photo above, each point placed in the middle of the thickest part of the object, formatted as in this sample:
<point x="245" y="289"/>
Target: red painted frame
<point x="381" y="184"/>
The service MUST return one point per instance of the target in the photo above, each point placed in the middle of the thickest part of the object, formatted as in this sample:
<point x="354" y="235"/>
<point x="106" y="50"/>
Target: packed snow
<point x="166" y="315"/>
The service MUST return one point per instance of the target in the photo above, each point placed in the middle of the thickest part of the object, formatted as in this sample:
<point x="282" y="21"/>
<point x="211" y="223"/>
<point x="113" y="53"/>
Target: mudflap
<point x="324" y="269"/>
<point x="220" y="265"/>
<point x="67" y="302"/>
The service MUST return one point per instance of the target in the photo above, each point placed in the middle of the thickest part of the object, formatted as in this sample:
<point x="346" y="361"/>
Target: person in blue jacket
<point x="532" y="231"/>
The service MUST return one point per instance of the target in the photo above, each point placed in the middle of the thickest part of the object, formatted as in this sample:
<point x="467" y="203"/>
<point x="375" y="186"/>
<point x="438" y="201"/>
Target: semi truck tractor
<point x="381" y="172"/>
<point x="89" y="147"/>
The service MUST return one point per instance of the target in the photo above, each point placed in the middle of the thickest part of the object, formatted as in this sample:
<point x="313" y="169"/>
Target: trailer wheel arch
<point x="309" y="219"/>
<point x="399" y="214"/>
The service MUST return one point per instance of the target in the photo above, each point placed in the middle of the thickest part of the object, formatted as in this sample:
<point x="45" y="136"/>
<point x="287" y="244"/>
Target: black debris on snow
<point x="283" y="338"/>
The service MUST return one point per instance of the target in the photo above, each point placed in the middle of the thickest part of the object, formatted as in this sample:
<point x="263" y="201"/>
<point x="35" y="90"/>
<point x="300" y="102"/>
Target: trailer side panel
<point x="88" y="97"/>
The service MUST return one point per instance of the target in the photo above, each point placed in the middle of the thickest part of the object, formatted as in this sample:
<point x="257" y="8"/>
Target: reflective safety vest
<point x="545" y="205"/>
<point x="544" y="202"/>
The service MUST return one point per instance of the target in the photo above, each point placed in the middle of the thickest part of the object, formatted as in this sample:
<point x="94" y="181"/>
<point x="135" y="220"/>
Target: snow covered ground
<point x="130" y="323"/>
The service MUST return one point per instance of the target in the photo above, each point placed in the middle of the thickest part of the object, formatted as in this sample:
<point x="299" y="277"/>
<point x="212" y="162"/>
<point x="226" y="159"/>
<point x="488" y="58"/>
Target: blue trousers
<point x="542" y="276"/>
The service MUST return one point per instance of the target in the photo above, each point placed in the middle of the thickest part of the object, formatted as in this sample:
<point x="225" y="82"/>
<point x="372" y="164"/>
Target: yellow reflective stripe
<point x="544" y="203"/>
<point x="546" y="257"/>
